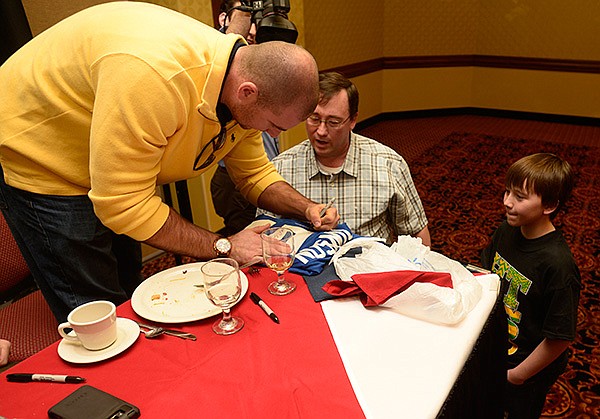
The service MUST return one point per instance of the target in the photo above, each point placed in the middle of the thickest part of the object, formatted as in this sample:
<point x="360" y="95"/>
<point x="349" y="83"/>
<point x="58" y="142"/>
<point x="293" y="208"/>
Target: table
<point x="401" y="364"/>
<point x="297" y="369"/>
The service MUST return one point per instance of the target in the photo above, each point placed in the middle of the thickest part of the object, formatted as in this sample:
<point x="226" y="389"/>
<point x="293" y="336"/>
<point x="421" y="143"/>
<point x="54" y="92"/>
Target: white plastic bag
<point x="424" y="301"/>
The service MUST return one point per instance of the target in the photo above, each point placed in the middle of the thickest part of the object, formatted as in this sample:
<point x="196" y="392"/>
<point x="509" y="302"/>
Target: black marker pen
<point x="28" y="378"/>
<point x="257" y="300"/>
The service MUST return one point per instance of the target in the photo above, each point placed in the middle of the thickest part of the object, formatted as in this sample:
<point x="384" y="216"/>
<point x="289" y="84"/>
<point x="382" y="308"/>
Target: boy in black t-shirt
<point x="540" y="280"/>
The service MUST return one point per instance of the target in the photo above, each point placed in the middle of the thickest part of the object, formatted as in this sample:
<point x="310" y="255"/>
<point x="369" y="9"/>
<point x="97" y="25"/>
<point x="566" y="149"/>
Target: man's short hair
<point x="285" y="74"/>
<point x="330" y="83"/>
<point x="545" y="175"/>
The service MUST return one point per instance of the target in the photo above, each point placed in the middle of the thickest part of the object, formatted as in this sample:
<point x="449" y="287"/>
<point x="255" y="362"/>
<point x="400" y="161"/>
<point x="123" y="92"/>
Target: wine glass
<point x="222" y="286"/>
<point x="278" y="254"/>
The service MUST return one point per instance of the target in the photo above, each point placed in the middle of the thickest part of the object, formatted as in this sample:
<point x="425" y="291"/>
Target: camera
<point x="271" y="19"/>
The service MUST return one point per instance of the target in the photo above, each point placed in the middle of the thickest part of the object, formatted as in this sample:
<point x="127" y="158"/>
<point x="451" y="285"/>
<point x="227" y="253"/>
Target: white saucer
<point x="127" y="333"/>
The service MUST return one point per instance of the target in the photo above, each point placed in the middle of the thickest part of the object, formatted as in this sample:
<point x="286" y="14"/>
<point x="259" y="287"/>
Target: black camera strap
<point x="223" y="112"/>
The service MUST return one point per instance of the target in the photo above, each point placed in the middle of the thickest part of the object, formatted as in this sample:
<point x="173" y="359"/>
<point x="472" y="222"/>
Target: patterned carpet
<point x="461" y="182"/>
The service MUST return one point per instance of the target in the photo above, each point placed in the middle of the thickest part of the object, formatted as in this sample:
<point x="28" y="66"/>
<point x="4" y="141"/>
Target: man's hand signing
<point x="329" y="220"/>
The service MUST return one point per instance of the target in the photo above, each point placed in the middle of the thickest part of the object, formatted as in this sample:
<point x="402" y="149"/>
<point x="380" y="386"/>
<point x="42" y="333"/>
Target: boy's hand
<point x="513" y="377"/>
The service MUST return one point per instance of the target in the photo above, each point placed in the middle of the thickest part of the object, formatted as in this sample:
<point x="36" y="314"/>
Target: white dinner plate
<point x="170" y="296"/>
<point x="127" y="333"/>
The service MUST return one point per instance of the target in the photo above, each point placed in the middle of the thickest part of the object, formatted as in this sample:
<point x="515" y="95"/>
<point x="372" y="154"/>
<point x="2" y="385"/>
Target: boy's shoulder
<point x="551" y="249"/>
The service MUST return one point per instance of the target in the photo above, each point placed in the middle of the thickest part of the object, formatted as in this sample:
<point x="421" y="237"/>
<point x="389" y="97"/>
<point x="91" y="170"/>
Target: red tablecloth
<point x="290" y="370"/>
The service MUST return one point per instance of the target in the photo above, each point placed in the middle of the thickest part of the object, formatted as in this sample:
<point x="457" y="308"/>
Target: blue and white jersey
<point x="314" y="249"/>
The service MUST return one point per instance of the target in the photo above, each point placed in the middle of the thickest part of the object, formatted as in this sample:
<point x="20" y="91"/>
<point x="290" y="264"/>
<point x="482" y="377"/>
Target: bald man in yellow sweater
<point x="99" y="109"/>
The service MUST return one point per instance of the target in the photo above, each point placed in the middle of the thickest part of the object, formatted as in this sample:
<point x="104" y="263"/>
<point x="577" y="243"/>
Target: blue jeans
<point x="72" y="256"/>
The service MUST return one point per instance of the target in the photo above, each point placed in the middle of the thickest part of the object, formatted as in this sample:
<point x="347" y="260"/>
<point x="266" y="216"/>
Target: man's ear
<point x="247" y="93"/>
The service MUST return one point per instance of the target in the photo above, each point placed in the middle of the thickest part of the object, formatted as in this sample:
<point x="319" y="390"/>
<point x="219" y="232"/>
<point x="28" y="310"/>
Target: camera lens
<point x="276" y="28"/>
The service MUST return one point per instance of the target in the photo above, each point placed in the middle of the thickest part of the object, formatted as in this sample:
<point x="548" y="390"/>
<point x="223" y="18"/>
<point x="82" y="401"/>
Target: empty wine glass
<point x="222" y="286"/>
<point x="278" y="254"/>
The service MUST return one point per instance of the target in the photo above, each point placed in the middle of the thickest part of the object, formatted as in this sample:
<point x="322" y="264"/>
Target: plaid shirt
<point x="374" y="192"/>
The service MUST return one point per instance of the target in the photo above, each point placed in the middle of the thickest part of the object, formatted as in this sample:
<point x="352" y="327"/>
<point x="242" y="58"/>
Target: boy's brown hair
<point x="545" y="175"/>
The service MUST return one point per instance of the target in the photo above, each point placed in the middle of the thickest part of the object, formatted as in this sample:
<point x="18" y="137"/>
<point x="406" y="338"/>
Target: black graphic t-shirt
<point x="540" y="287"/>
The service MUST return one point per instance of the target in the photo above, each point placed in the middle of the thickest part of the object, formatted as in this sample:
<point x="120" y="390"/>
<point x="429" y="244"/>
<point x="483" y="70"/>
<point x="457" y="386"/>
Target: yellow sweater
<point x="115" y="100"/>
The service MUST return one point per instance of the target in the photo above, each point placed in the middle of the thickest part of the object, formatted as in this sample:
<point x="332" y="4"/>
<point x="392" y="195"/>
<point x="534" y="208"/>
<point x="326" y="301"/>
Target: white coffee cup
<point x="94" y="324"/>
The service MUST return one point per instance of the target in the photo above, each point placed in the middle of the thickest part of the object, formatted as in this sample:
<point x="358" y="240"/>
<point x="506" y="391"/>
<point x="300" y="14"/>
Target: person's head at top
<point x="329" y="125"/>
<point x="225" y="12"/>
<point x="271" y="86"/>
<point x="537" y="186"/>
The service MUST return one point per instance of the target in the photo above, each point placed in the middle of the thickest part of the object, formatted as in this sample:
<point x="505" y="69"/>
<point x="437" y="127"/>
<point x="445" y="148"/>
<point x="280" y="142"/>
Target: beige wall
<point x="341" y="33"/>
<point x="540" y="28"/>
<point x="426" y="88"/>
<point x="559" y="93"/>
<point x="44" y="13"/>
<point x="198" y="9"/>
<point x="361" y="31"/>
<point x="431" y="27"/>
<point x="532" y="28"/>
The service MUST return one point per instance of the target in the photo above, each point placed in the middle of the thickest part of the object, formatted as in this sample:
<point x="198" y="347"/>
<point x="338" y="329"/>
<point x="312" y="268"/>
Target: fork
<point x="251" y="266"/>
<point x="253" y="270"/>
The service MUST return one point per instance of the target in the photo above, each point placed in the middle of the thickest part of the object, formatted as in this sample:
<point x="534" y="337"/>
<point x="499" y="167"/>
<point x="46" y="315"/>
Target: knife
<point x="172" y="332"/>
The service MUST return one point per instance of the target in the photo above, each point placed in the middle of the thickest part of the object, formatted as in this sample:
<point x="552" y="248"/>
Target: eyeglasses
<point x="334" y="123"/>
<point x="217" y="143"/>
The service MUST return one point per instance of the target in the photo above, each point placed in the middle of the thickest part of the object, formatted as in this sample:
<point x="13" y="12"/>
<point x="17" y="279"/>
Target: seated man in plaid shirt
<point x="374" y="192"/>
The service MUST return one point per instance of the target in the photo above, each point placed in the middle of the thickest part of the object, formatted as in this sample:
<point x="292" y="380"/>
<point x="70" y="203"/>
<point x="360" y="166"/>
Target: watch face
<point x="223" y="246"/>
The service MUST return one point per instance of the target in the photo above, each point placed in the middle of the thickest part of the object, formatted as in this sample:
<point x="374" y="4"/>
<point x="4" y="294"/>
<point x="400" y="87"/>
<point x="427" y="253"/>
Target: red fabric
<point x="13" y="268"/>
<point x="29" y="325"/>
<point x="290" y="370"/>
<point x="27" y="322"/>
<point x="376" y="288"/>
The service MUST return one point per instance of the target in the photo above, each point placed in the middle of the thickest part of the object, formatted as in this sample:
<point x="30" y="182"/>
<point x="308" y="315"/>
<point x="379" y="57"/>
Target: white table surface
<point x="401" y="367"/>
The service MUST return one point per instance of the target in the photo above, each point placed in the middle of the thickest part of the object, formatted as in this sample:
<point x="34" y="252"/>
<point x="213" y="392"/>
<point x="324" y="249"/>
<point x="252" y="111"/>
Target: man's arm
<point x="406" y="208"/>
<point x="180" y="236"/>
<point x="546" y="352"/>
<point x="425" y="237"/>
<point x="281" y="198"/>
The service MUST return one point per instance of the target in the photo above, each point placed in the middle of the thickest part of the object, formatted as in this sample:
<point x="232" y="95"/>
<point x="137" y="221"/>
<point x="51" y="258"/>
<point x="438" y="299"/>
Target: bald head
<point x="285" y="75"/>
